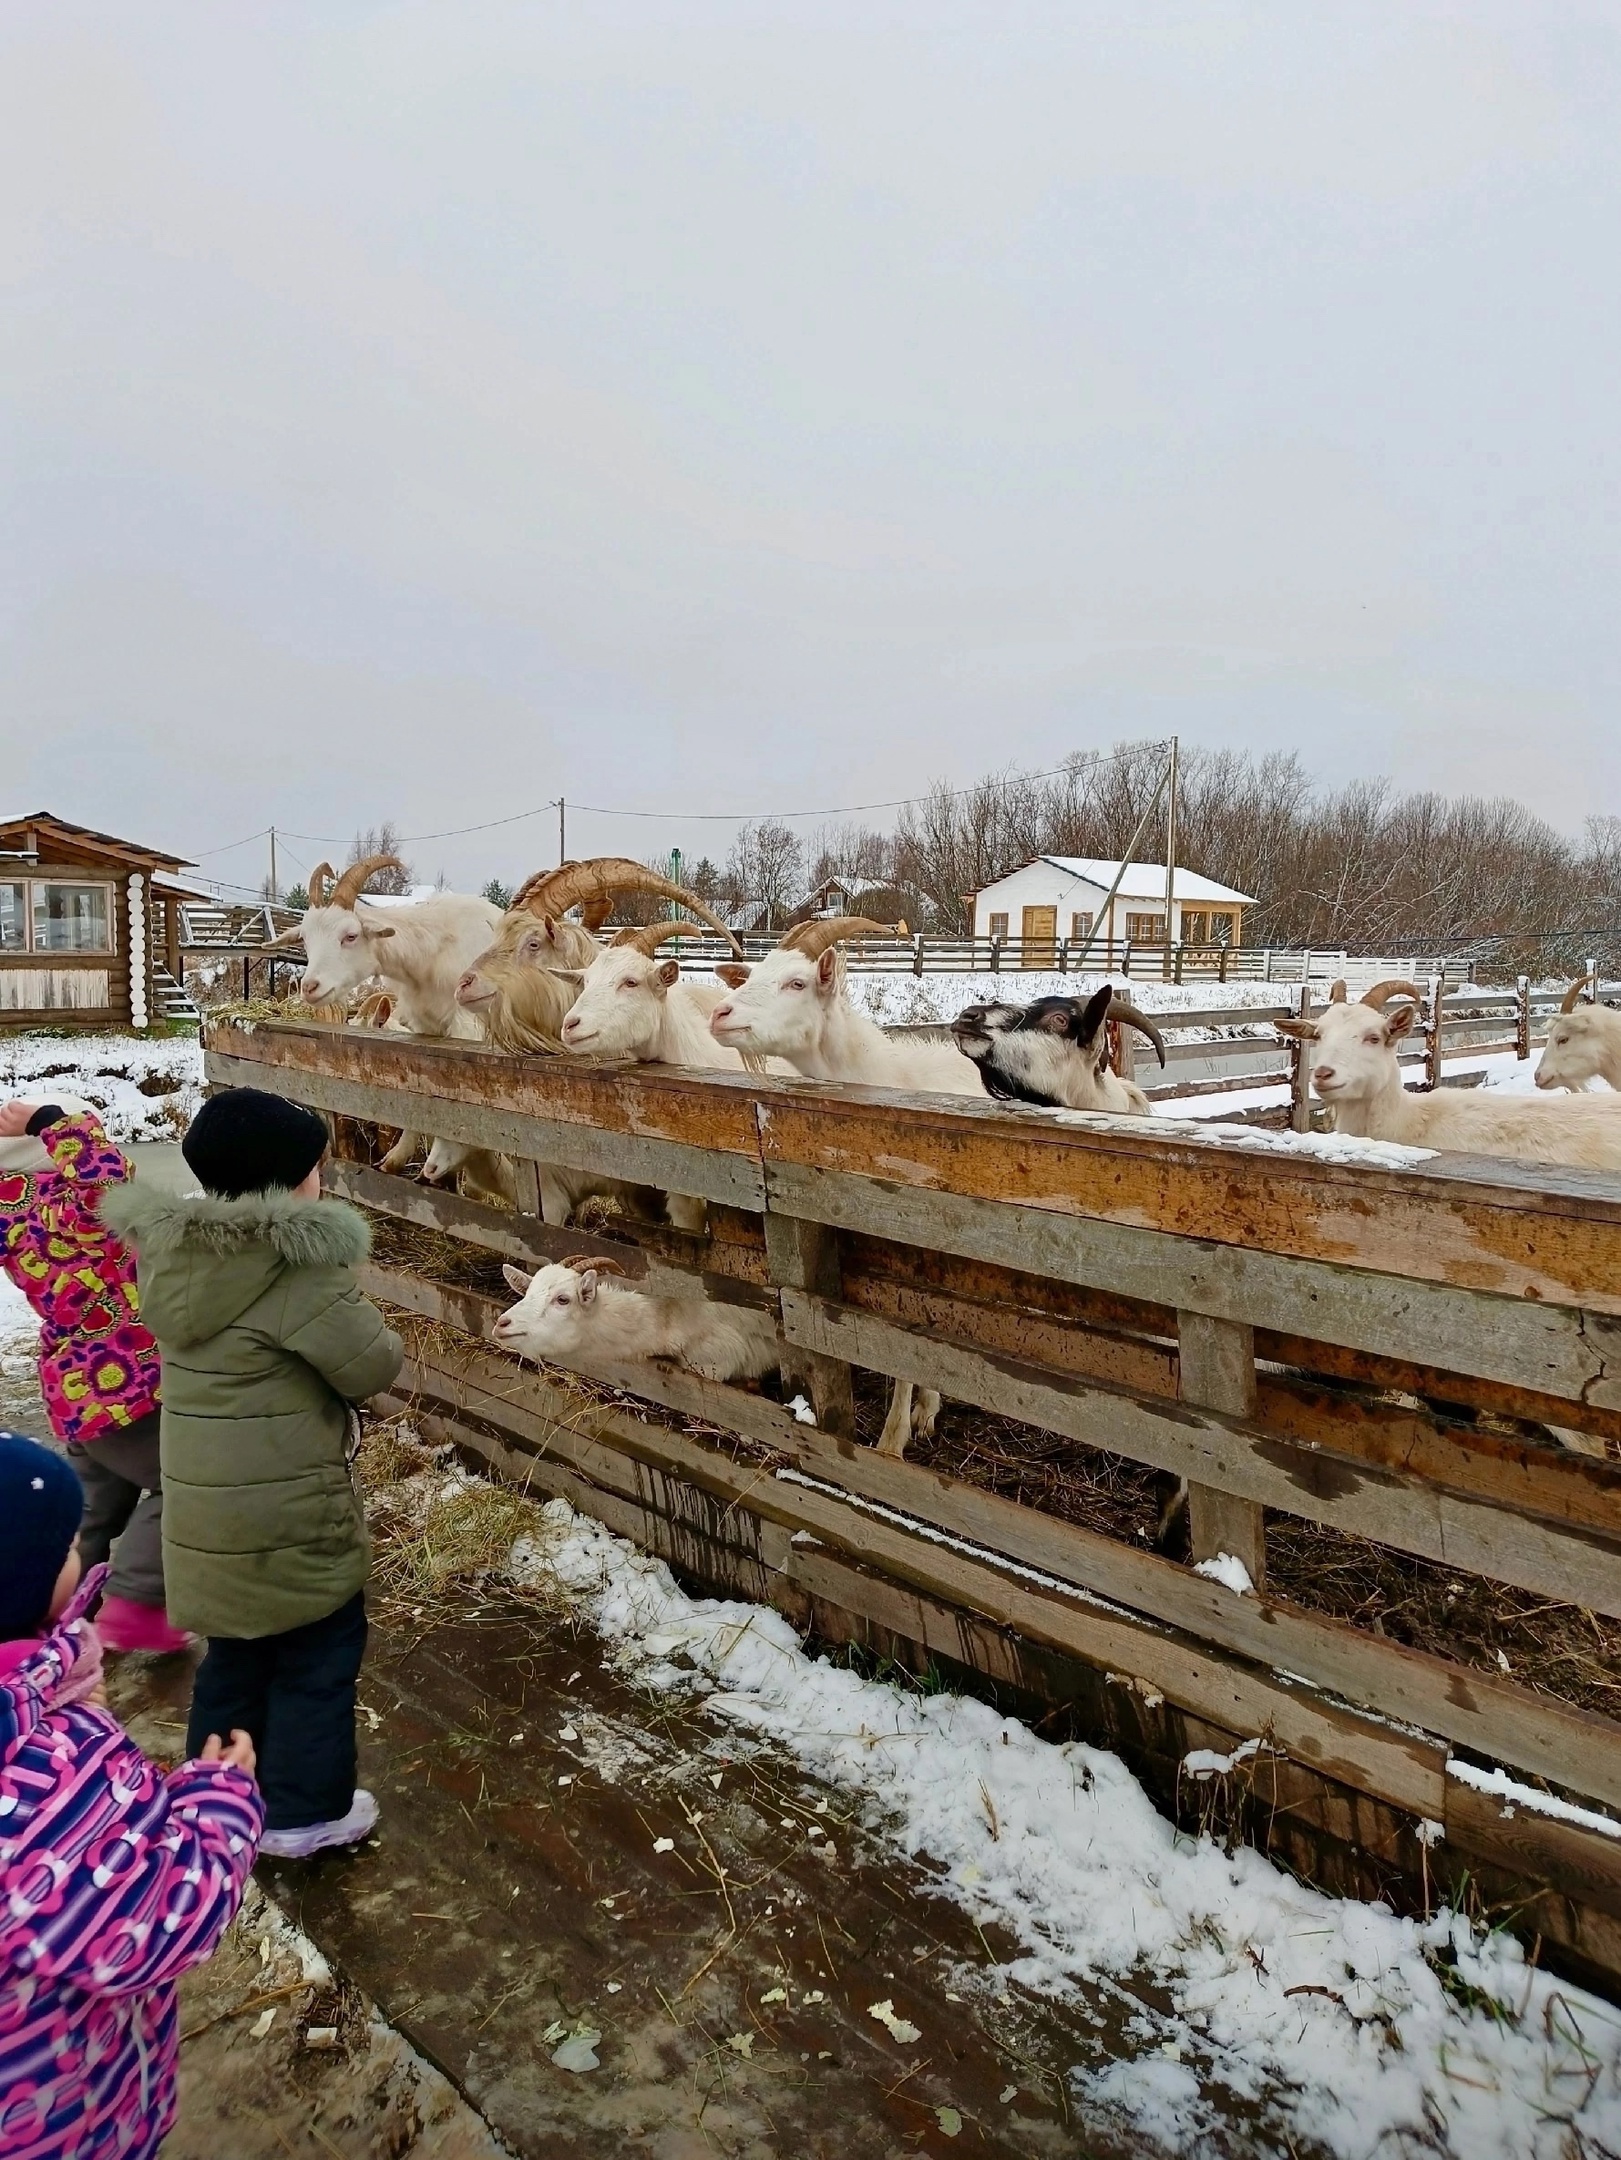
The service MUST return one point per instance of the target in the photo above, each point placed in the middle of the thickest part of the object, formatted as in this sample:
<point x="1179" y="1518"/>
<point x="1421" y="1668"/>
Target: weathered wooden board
<point x="1553" y="1349"/>
<point x="709" y="1172"/>
<point x="1496" y="1717"/>
<point x="1563" y="1561"/>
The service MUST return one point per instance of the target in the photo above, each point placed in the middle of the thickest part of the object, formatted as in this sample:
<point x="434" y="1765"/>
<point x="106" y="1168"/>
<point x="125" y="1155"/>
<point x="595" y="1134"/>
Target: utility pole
<point x="1170" y="856"/>
<point x="675" y="879"/>
<point x="562" y="832"/>
<point x="275" y="885"/>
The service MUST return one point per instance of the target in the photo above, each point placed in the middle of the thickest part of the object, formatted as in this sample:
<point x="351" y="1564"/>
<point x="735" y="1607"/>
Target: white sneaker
<point x="315" y="1837"/>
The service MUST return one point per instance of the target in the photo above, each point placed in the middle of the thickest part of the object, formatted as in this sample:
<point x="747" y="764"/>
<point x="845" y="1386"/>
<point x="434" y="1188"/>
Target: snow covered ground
<point x="1343" y="2025"/>
<point x="913" y="1000"/>
<point x="143" y="1090"/>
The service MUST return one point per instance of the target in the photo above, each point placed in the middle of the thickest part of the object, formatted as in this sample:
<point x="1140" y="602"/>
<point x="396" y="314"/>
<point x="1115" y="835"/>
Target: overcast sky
<point x="424" y="410"/>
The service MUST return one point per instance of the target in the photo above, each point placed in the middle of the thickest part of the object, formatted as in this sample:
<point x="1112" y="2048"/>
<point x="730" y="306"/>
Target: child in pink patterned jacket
<point x="98" y="1366"/>
<point x="114" y="1879"/>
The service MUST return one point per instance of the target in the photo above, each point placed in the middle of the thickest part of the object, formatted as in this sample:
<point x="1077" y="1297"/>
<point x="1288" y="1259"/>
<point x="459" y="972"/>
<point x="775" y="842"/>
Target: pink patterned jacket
<point x="114" y="1879"/>
<point x="98" y="1367"/>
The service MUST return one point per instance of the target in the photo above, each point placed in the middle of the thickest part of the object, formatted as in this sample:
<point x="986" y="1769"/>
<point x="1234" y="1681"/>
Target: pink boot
<point x="124" y="1625"/>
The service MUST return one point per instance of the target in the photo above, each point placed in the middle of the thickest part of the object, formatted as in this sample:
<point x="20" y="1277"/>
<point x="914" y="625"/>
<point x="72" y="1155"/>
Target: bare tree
<point x="766" y="866"/>
<point x="382" y="839"/>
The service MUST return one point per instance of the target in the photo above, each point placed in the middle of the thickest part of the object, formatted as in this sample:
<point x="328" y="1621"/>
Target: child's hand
<point x="14" y="1118"/>
<point x="238" y="1756"/>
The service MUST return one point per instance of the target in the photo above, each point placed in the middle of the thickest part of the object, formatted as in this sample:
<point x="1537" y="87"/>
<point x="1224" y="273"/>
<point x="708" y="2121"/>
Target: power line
<point x="728" y="817"/>
<point x="203" y="853"/>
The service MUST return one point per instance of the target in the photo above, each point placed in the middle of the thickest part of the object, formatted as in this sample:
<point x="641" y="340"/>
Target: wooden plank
<point x="1503" y="1466"/>
<point x="1581" y="1864"/>
<point x="805" y="1256"/>
<point x="1527" y="1342"/>
<point x="1493" y="1716"/>
<point x="1573" y="1565"/>
<point x="1369" y="1754"/>
<point x="1217" y="1371"/>
<point x="673" y="1166"/>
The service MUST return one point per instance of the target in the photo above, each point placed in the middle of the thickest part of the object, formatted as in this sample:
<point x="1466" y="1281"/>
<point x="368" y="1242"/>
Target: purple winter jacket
<point x="114" y="1879"/>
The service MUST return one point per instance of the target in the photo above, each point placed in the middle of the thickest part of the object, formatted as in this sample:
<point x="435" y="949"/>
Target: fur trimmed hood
<point x="202" y="1261"/>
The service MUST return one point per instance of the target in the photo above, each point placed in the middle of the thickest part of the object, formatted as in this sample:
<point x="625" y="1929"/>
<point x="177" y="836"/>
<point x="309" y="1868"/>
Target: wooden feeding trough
<point x="1367" y="1353"/>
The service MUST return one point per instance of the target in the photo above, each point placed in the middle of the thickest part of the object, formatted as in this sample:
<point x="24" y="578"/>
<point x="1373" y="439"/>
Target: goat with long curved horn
<point x="592" y="887"/>
<point x="648" y="937"/>
<point x="1380" y="993"/>
<point x="1125" y="1014"/>
<point x="1573" y="996"/>
<point x="815" y="937"/>
<point x="351" y="884"/>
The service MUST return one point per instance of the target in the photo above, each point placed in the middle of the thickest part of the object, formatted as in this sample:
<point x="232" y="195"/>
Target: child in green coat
<point x="267" y="1343"/>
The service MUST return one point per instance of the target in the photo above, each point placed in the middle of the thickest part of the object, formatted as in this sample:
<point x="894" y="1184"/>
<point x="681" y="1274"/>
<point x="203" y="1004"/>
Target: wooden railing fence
<point x="1382" y="1351"/>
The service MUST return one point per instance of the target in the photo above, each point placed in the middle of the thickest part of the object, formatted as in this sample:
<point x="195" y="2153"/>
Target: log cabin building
<point x="89" y="926"/>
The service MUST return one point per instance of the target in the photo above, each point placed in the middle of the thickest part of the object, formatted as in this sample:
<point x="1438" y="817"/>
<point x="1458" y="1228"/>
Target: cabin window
<point x="72" y="918"/>
<point x="999" y="926"/>
<point x="1222" y="929"/>
<point x="55" y="915"/>
<point x="1146" y="929"/>
<point x="1080" y="926"/>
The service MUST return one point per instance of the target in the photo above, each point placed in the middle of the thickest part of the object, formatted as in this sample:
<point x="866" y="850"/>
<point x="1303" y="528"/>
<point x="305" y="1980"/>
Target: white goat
<point x="794" y="1005"/>
<point x="417" y="950"/>
<point x="1055" y="1051"/>
<point x="631" y="1004"/>
<point x="478" y="1172"/>
<point x="1354" y="1070"/>
<point x="1584" y="1043"/>
<point x="572" y="1311"/>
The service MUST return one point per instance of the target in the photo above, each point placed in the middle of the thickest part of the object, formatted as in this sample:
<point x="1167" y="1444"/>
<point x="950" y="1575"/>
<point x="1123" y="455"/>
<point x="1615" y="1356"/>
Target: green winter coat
<point x="265" y="1340"/>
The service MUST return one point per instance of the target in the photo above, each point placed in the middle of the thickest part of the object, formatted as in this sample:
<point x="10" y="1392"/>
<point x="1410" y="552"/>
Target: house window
<point x="1222" y="927"/>
<point x="998" y="926"/>
<point x="1080" y="927"/>
<point x="72" y="919"/>
<point x="50" y="915"/>
<point x="1195" y="926"/>
<point x="1146" y="929"/>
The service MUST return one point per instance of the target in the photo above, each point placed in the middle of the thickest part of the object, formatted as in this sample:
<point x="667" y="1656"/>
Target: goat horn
<point x="1382" y="992"/>
<point x="1573" y="996"/>
<point x="1129" y="1016"/>
<point x="584" y="884"/>
<point x="347" y="890"/>
<point x="648" y="937"/>
<point x="813" y="938"/>
<point x="586" y="1263"/>
<point x="320" y="885"/>
<point x="1337" y="992"/>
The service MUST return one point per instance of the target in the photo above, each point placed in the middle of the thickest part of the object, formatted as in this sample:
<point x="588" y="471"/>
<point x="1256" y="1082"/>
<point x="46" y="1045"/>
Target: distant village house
<point x="1059" y="897"/>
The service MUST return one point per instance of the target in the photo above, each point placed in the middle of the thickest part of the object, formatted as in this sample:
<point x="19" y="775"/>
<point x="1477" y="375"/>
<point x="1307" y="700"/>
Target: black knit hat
<point x="40" y="1505"/>
<point x="245" y="1141"/>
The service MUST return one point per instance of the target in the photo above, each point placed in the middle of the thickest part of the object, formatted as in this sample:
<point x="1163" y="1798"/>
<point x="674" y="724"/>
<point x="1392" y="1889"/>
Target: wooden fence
<point x="1375" y="1350"/>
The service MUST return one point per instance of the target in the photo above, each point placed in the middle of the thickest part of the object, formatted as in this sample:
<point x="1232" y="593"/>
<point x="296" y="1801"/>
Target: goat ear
<point x="516" y="1278"/>
<point x="588" y="1287"/>
<point x="731" y="974"/>
<point x="1056" y="1022"/>
<point x="378" y="929"/>
<point x="1399" y="1022"/>
<point x="827" y="966"/>
<point x="1096" y="1012"/>
<point x="668" y="972"/>
<point x="1301" y="1030"/>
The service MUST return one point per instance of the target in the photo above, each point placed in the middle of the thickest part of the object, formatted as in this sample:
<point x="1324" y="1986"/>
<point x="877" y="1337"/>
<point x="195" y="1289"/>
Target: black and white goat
<point x="1055" y="1052"/>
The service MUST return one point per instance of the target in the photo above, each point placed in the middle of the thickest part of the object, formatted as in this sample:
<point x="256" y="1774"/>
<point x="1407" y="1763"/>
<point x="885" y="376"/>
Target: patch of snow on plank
<point x="1500" y="1786"/>
<point x="1326" y="2017"/>
<point x="1227" y="1569"/>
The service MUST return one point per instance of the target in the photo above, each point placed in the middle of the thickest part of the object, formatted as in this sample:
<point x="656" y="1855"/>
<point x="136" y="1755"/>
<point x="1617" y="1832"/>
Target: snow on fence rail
<point x="1345" y="1337"/>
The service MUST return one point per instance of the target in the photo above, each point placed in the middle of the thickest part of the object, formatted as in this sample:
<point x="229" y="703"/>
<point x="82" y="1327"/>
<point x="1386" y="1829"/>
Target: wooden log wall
<point x="1379" y="1350"/>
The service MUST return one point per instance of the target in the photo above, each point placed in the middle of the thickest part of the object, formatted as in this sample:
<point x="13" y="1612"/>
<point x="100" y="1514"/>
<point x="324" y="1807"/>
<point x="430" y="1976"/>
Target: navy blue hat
<point x="40" y="1506"/>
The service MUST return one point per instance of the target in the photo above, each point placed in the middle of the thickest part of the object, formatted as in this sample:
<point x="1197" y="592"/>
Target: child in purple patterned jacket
<point x="114" y="1879"/>
<point x="98" y="1366"/>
